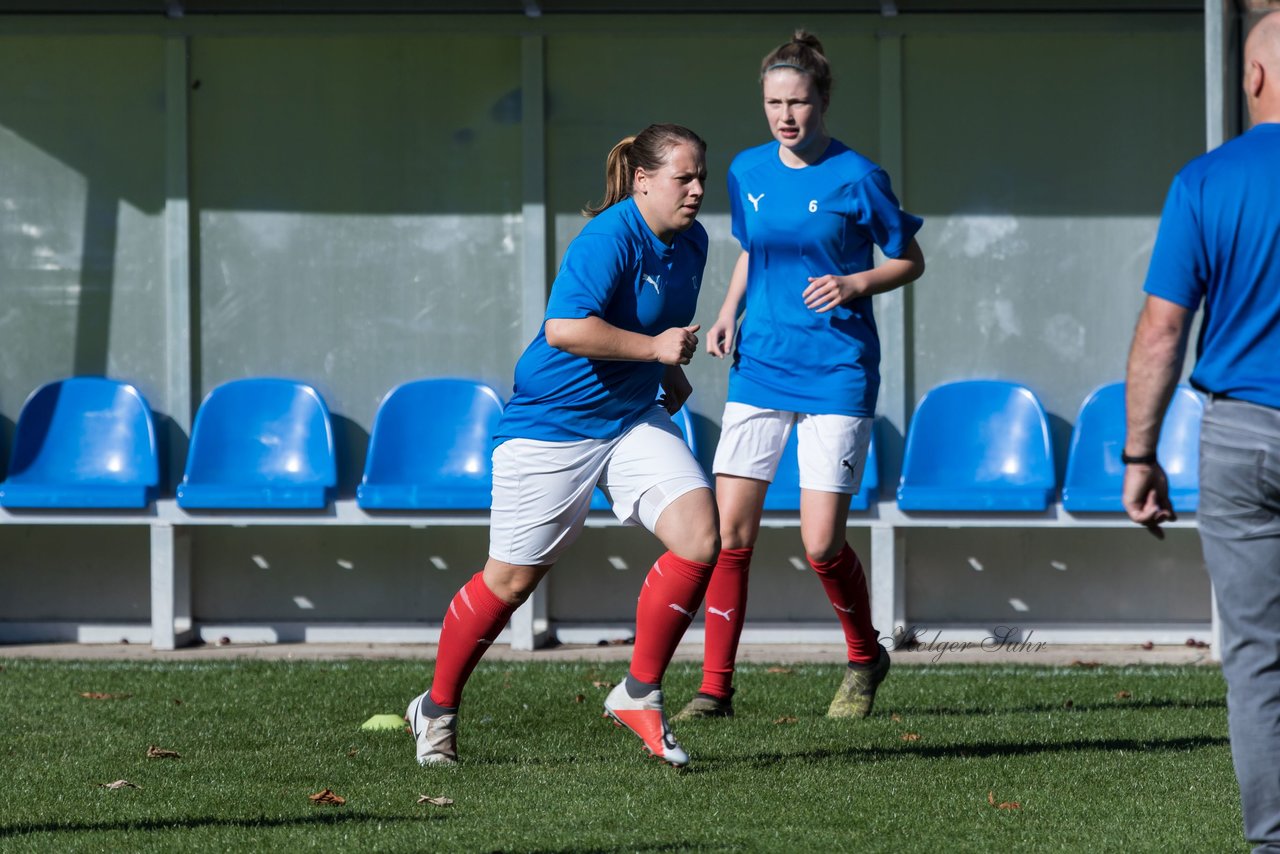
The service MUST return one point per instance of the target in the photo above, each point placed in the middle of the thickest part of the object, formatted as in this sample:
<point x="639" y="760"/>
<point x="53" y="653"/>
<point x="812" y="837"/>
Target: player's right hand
<point x="677" y="345"/>
<point x="720" y="338"/>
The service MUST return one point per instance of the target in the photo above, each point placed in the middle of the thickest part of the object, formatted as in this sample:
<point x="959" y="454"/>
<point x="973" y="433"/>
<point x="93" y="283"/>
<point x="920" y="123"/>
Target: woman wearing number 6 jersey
<point x="806" y="210"/>
<point x="583" y="414"/>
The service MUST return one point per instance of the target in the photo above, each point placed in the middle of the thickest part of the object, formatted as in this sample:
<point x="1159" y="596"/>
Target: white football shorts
<point x="542" y="490"/>
<point x="832" y="449"/>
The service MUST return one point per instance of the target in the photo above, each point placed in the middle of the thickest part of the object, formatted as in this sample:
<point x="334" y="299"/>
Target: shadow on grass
<point x="1101" y="706"/>
<point x="331" y="817"/>
<point x="665" y="846"/>
<point x="914" y="750"/>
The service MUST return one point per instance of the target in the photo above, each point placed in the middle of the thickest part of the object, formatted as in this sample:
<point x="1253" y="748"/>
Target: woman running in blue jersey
<point x="807" y="211"/>
<point x="584" y="413"/>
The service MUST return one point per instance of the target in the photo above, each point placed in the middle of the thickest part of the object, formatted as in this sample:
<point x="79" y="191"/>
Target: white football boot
<point x="646" y="718"/>
<point x="437" y="738"/>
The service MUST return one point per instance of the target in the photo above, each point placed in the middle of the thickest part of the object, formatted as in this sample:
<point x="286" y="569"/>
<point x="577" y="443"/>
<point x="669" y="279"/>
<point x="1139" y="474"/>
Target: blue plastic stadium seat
<point x="85" y="442"/>
<point x="978" y="445"/>
<point x="684" y="422"/>
<point x="1095" y="475"/>
<point x="784" y="492"/>
<point x="264" y="444"/>
<point x="429" y="449"/>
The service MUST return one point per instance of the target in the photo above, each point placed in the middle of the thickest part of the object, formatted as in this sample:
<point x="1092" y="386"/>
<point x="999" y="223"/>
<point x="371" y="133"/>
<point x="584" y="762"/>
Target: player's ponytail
<point x="618" y="176"/>
<point x="647" y="150"/>
<point x="803" y="53"/>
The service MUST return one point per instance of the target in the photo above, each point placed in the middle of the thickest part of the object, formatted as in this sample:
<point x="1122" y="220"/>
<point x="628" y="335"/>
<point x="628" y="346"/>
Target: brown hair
<point x="803" y="53"/>
<point x="647" y="150"/>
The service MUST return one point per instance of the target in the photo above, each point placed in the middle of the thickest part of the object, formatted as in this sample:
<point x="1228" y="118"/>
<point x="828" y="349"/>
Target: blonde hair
<point x="647" y="150"/>
<point x="803" y="53"/>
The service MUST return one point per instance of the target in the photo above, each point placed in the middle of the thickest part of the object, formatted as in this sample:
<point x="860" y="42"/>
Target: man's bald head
<point x="1262" y="69"/>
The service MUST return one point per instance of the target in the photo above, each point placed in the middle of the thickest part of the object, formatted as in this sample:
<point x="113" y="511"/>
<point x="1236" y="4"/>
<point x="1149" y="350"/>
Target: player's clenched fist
<point x="676" y="345"/>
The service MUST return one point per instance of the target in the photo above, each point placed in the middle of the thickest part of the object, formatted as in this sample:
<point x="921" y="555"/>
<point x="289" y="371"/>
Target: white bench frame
<point x="172" y="624"/>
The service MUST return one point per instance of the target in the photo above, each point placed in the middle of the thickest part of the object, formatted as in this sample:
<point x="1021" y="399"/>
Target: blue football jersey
<point x="618" y="270"/>
<point x="819" y="220"/>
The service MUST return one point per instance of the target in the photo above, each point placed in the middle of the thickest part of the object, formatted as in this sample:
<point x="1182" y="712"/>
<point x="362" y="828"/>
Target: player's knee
<point x="822" y="549"/>
<point x="514" y="591"/>
<point x="700" y="545"/>
<point x="512" y="585"/>
<point x="709" y="546"/>
<point x="738" y="536"/>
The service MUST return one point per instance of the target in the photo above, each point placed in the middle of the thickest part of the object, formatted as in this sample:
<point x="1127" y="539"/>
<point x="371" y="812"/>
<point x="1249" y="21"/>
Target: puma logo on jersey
<point x="755" y="201"/>
<point x="674" y="607"/>
<point x="720" y="613"/>
<point x="848" y="610"/>
<point x="653" y="280"/>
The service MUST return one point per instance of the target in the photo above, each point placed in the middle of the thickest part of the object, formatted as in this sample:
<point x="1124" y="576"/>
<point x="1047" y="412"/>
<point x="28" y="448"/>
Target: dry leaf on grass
<point x="1003" y="805"/>
<point x="119" y="784"/>
<point x="327" y="796"/>
<point x="98" y="695"/>
<point x="895" y="717"/>
<point x="351" y="754"/>
<point x="1123" y="695"/>
<point x="580" y="698"/>
<point x="779" y="670"/>
<point x="911" y="736"/>
<point x="1068" y="703"/>
<point x="441" y="801"/>
<point x="785" y="719"/>
<point x="601" y="684"/>
<point x="154" y="752"/>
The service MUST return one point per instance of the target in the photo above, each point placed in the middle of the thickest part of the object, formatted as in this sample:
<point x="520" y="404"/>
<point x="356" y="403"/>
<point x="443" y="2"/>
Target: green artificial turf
<point x="1081" y="758"/>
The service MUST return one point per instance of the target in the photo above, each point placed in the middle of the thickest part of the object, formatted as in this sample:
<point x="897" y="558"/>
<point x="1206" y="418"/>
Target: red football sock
<point x="846" y="585"/>
<point x="726" y="611"/>
<point x="670" y="597"/>
<point x="474" y="619"/>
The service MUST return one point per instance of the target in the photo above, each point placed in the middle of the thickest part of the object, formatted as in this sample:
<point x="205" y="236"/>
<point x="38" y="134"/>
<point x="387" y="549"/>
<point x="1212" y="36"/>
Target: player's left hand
<point x="826" y="292"/>
<point x="675" y="390"/>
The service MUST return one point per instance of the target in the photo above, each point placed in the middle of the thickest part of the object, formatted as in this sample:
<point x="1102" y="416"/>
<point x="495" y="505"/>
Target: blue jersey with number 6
<point x="822" y="219"/>
<point x="618" y="270"/>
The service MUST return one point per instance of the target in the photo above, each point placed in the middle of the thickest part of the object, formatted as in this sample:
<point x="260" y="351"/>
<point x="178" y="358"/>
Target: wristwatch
<point x="1143" y="460"/>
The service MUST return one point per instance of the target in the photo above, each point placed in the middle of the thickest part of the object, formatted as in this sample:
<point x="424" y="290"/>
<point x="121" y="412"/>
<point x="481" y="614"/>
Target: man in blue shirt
<point x="1217" y="245"/>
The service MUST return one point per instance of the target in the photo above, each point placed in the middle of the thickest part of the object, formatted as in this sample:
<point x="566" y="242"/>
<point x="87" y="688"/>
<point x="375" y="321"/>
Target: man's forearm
<point x="1155" y="363"/>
